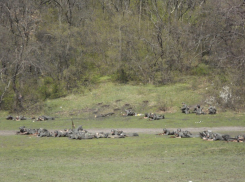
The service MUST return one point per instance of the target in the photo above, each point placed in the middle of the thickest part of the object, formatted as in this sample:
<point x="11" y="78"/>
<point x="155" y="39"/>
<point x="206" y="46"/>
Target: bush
<point x="8" y="101"/>
<point x="45" y="92"/>
<point x="57" y="91"/>
<point x="120" y="76"/>
<point x="200" y="70"/>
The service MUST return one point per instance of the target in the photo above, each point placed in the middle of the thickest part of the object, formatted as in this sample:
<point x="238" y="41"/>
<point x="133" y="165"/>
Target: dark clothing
<point x="211" y="110"/>
<point x="199" y="110"/>
<point x="185" y="109"/>
<point x="168" y="132"/>
<point x="153" y="116"/>
<point x="129" y="113"/>
<point x="10" y="117"/>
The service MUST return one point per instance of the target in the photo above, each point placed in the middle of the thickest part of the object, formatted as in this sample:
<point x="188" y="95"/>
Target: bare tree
<point x="20" y="19"/>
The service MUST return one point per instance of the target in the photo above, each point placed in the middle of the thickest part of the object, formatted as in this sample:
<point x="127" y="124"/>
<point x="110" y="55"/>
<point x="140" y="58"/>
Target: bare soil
<point x="152" y="130"/>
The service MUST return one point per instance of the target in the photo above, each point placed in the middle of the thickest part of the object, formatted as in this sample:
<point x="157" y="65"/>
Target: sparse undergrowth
<point x="109" y="97"/>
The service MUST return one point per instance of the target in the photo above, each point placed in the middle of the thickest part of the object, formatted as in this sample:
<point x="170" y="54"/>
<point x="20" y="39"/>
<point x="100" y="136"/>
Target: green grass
<point x="144" y="158"/>
<point x="169" y="96"/>
<point x="162" y="99"/>
<point x="173" y="120"/>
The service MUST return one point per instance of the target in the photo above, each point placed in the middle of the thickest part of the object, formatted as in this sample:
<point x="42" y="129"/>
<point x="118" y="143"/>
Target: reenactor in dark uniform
<point x="199" y="110"/>
<point x="26" y="131"/>
<point x="129" y="113"/>
<point x="116" y="132"/>
<point x="157" y="117"/>
<point x="43" y="133"/>
<point x="146" y="115"/>
<point x="168" y="132"/>
<point x="178" y="131"/>
<point x="84" y="135"/>
<point x="21" y="118"/>
<point x="213" y="136"/>
<point x="153" y="116"/>
<point x="23" y="130"/>
<point x="211" y="110"/>
<point x="194" y="110"/>
<point x="178" y="134"/>
<point x="210" y="136"/>
<point x="60" y="133"/>
<point x="48" y="118"/>
<point x="18" y="118"/>
<point x="101" y="135"/>
<point x="10" y="117"/>
<point x="240" y="138"/>
<point x="205" y="134"/>
<point x="69" y="132"/>
<point x="87" y="135"/>
<point x="79" y="128"/>
<point x="79" y="133"/>
<point x="185" y="109"/>
<point x="32" y="131"/>
<point x="115" y="136"/>
<point x="149" y="115"/>
<point x="120" y="134"/>
<point x="39" y="118"/>
<point x="217" y="136"/>
<point x="226" y="137"/>
<point x="43" y="118"/>
<point x="185" y="134"/>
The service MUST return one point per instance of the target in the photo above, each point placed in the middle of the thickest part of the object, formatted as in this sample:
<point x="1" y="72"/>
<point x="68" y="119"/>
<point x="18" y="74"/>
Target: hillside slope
<point x="109" y="97"/>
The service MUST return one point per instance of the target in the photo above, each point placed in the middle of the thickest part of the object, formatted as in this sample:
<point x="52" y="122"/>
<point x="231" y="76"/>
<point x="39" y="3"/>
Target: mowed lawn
<point x="172" y="120"/>
<point x="144" y="158"/>
<point x="148" y="157"/>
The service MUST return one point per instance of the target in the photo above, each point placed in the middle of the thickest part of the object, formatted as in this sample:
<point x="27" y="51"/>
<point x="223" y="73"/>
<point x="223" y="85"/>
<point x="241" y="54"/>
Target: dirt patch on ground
<point x="225" y="129"/>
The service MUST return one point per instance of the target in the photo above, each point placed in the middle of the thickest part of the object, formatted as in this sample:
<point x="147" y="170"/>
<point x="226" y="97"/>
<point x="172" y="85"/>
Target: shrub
<point x="200" y="70"/>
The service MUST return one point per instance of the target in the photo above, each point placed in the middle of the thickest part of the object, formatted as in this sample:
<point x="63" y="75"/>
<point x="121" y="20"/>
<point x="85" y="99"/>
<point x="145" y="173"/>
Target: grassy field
<point x="172" y="120"/>
<point x="144" y="158"/>
<point x="113" y="96"/>
<point x="148" y="157"/>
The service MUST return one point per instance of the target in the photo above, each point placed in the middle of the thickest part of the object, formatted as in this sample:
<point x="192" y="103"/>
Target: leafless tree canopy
<point x="50" y="48"/>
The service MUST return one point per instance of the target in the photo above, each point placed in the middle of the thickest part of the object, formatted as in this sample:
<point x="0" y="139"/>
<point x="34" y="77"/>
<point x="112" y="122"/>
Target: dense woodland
<point x="51" y="48"/>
